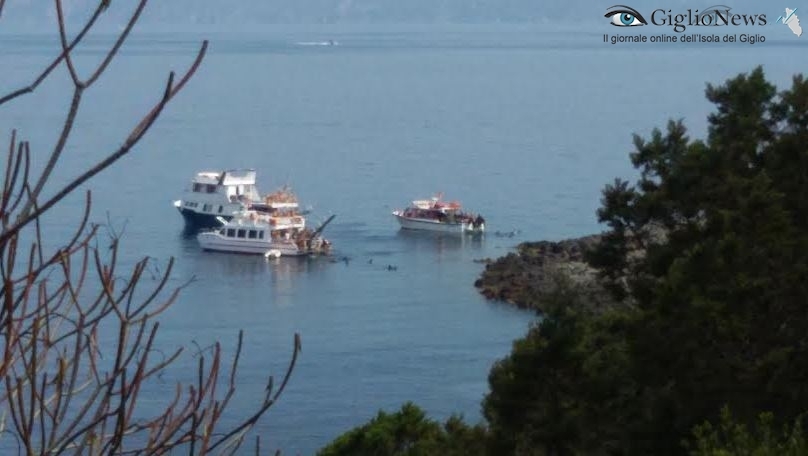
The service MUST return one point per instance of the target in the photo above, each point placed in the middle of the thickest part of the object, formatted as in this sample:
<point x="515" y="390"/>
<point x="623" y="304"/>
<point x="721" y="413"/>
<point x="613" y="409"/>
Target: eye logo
<point x="625" y="16"/>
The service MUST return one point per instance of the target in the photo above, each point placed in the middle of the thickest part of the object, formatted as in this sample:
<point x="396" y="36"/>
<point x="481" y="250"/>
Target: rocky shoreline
<point x="534" y="270"/>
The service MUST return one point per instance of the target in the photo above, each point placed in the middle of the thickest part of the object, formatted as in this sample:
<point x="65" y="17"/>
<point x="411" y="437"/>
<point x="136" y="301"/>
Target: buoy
<point x="273" y="254"/>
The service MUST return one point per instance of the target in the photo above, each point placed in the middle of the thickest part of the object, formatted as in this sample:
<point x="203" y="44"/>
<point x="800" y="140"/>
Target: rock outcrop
<point x="535" y="270"/>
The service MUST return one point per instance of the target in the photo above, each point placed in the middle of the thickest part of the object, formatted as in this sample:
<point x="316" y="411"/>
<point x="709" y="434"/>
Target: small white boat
<point x="252" y="232"/>
<point x="317" y="43"/>
<point x="436" y="215"/>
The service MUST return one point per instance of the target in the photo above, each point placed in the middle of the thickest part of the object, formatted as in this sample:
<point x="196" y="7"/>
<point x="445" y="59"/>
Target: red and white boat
<point x="437" y="215"/>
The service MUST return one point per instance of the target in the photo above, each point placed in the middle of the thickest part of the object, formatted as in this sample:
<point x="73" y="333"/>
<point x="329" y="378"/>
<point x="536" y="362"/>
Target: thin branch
<point x="8" y="183"/>
<point x="57" y="151"/>
<point x="130" y="142"/>
<point x="42" y="76"/>
<point x="121" y="38"/>
<point x="267" y="402"/>
<point x="23" y="156"/>
<point x="60" y="18"/>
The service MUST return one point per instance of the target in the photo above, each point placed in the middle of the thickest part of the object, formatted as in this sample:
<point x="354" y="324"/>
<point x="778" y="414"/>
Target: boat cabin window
<point x="222" y="231"/>
<point x="241" y="233"/>
<point x="231" y="232"/>
<point x="251" y="234"/>
<point x="260" y="235"/>
<point x="206" y="208"/>
<point x="204" y="188"/>
<point x="220" y="209"/>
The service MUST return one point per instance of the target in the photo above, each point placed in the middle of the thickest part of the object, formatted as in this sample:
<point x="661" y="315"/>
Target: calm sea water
<point x="524" y="125"/>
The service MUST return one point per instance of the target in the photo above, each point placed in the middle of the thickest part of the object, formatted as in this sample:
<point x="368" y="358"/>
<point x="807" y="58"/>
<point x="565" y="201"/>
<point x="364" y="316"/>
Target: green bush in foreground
<point x="408" y="432"/>
<point x="730" y="438"/>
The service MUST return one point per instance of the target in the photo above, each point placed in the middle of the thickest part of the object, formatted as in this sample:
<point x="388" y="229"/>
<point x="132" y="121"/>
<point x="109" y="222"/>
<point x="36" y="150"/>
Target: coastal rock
<point x="526" y="276"/>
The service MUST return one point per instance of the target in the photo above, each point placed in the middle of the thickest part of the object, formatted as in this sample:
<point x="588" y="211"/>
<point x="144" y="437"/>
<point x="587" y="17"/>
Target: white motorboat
<point x="253" y="232"/>
<point x="437" y="215"/>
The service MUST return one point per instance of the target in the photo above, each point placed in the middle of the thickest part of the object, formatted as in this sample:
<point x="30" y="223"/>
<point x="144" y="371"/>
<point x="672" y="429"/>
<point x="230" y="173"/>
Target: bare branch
<point x="57" y="151"/>
<point x="268" y="402"/>
<point x="23" y="156"/>
<point x="133" y="138"/>
<point x="65" y="47"/>
<point x="121" y="38"/>
<point x="42" y="76"/>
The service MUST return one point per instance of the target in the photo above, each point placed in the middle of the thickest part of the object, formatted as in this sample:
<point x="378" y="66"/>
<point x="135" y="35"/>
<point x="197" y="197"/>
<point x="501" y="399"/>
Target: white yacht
<point x="215" y="194"/>
<point x="221" y="194"/>
<point x="437" y="215"/>
<point x="254" y="232"/>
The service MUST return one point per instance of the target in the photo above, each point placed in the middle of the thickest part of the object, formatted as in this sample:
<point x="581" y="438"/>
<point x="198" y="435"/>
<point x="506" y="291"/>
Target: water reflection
<point x="439" y="242"/>
<point x="255" y="271"/>
<point x="234" y="265"/>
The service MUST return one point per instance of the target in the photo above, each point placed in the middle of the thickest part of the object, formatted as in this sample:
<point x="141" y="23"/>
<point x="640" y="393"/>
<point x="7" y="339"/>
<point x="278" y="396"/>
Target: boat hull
<point x="212" y="241"/>
<point x="197" y="220"/>
<point x="409" y="223"/>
